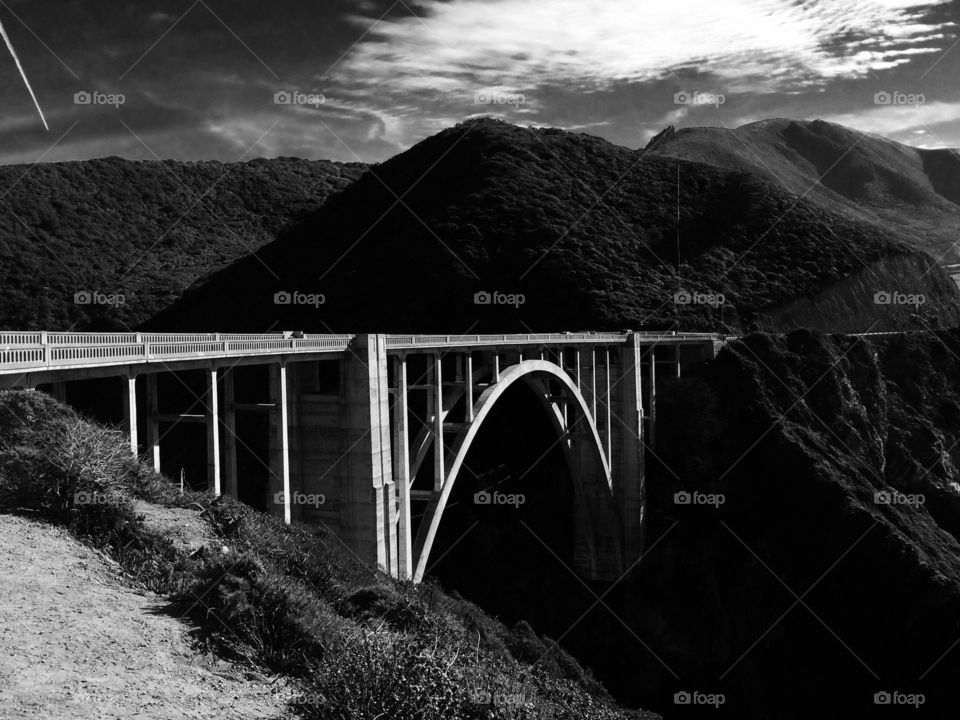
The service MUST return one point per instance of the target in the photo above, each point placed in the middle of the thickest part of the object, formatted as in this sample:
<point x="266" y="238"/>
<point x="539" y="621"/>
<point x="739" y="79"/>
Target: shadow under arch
<point x="598" y="538"/>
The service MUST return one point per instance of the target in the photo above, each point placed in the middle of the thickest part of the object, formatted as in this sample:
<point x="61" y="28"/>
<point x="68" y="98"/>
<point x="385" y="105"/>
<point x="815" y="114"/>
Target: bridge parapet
<point x="63" y="351"/>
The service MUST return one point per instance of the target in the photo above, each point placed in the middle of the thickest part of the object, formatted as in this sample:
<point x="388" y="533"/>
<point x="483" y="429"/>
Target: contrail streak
<point x="23" y="74"/>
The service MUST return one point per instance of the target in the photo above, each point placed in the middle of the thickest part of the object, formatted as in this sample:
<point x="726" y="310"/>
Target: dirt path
<point x="78" y="643"/>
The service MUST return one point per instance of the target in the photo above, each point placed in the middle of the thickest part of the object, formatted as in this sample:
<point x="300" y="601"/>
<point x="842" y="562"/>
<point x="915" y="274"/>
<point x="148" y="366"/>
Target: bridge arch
<point x="598" y="524"/>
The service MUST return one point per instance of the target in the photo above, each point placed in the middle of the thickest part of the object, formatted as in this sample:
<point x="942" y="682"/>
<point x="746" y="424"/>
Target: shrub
<point x="384" y="675"/>
<point x="244" y="605"/>
<point x="55" y="463"/>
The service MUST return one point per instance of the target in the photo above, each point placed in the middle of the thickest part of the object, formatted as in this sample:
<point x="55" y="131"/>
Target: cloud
<point x="929" y="125"/>
<point x="520" y="45"/>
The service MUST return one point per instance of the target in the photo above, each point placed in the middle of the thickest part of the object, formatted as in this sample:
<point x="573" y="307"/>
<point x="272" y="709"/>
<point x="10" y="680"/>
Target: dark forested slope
<point x="141" y="230"/>
<point x="587" y="231"/>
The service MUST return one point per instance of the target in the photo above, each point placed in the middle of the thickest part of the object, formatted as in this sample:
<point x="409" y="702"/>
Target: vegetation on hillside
<point x="360" y="644"/>
<point x="830" y="570"/>
<point x="591" y="234"/>
<point x="145" y="231"/>
<point x="865" y="177"/>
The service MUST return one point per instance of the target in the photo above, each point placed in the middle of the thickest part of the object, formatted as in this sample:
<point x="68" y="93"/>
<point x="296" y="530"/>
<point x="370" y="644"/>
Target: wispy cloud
<point x="521" y="45"/>
<point x="609" y="67"/>
<point x="935" y="124"/>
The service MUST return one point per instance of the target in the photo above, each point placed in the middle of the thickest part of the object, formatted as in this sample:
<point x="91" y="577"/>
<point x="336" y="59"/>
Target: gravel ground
<point x="77" y="642"/>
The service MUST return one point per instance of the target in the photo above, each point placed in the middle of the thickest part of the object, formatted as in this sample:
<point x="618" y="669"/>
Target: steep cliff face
<point x="818" y="565"/>
<point x="831" y="570"/>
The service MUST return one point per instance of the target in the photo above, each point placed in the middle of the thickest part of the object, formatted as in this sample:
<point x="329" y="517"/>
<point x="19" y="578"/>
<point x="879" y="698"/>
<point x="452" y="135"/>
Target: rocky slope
<point x="820" y="566"/>
<point x="832" y="570"/>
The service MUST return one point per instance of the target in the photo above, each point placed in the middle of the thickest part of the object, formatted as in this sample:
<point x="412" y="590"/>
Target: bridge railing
<point x="41" y="350"/>
<point x="20" y="338"/>
<point x="21" y="357"/>
<point x="406" y="342"/>
<point x="128" y="338"/>
<point x="415" y="341"/>
<point x="27" y="353"/>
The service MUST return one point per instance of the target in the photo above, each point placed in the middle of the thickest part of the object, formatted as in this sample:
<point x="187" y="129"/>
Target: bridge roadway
<point x="393" y="431"/>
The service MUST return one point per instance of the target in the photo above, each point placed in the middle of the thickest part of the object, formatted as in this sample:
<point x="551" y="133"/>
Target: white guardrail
<point x="42" y="351"/>
<point x="420" y="341"/>
<point x="53" y="350"/>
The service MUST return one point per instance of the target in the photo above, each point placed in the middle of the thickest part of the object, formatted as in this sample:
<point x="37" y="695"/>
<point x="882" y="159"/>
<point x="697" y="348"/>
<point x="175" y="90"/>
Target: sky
<point x="361" y="80"/>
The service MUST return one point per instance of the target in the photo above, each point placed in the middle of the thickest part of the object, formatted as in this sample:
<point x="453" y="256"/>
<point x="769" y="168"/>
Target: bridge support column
<point x="153" y="423"/>
<point x="367" y="496"/>
<point x="229" y="444"/>
<point x="468" y="386"/>
<point x="279" y="492"/>
<point x="587" y="361"/>
<point x="652" y="398"/>
<point x="59" y="392"/>
<point x="602" y="409"/>
<point x="439" y="448"/>
<point x="401" y="470"/>
<point x="130" y="412"/>
<point x="213" y="433"/>
<point x="627" y="467"/>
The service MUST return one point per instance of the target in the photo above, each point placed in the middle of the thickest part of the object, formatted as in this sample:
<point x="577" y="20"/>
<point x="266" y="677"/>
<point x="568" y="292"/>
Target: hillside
<point x="586" y="231"/>
<point x="826" y="570"/>
<point x="863" y="176"/>
<point x="839" y="467"/>
<point x="143" y="230"/>
<point x="343" y="640"/>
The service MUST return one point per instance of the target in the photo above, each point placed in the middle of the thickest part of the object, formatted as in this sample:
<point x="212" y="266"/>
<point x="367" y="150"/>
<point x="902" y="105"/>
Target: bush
<point x="244" y="606"/>
<point x="384" y="675"/>
<point x="55" y="463"/>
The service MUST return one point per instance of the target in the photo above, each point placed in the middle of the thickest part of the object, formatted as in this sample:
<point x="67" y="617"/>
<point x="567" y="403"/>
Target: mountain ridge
<point x="864" y="175"/>
<point x="585" y="230"/>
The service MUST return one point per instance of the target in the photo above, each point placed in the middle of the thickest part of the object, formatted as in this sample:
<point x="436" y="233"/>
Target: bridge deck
<point x="54" y="351"/>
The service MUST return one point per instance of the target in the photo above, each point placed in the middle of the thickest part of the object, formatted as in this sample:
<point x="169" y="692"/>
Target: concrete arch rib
<point x="526" y="370"/>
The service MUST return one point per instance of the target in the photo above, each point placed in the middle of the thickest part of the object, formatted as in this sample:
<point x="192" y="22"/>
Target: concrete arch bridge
<point x="366" y="433"/>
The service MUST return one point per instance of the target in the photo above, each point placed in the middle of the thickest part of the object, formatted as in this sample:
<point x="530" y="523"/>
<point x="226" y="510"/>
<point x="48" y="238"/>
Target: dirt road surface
<point x="77" y="642"/>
